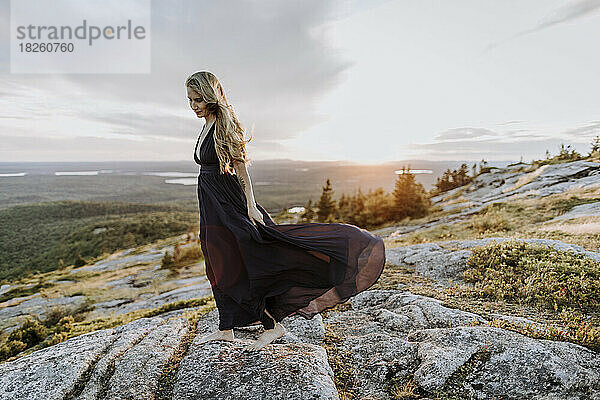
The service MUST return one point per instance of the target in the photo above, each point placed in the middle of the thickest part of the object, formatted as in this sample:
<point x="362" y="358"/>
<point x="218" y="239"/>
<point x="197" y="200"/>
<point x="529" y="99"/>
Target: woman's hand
<point x="255" y="215"/>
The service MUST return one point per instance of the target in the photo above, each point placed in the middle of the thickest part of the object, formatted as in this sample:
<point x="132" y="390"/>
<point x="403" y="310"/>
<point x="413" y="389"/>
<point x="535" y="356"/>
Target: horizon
<point x="383" y="163"/>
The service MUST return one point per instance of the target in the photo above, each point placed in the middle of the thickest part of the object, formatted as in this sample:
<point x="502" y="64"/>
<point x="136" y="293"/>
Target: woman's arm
<point x="244" y="178"/>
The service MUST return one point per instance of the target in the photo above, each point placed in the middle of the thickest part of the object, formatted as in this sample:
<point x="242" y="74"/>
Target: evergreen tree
<point x="326" y="204"/>
<point x="380" y="208"/>
<point x="453" y="179"/>
<point x="356" y="209"/>
<point x="343" y="207"/>
<point x="462" y="175"/>
<point x="410" y="197"/>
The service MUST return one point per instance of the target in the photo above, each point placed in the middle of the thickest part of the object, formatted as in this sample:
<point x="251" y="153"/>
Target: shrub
<point x="534" y="274"/>
<point x="186" y="252"/>
<point x="11" y="348"/>
<point x="55" y="314"/>
<point x="31" y="332"/>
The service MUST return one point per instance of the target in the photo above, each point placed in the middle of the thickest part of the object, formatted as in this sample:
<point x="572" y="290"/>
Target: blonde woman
<point x="262" y="272"/>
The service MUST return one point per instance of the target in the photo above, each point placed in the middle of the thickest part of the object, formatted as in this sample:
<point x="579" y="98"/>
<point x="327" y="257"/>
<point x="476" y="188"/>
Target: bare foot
<point x="218" y="335"/>
<point x="267" y="337"/>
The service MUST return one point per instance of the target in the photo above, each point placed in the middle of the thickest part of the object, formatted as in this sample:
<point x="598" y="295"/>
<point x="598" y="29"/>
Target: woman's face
<point x="197" y="103"/>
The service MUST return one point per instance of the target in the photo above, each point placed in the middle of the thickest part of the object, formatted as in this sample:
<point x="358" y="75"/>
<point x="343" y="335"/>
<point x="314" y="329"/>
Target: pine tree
<point x="462" y="175"/>
<point x="343" y="207"/>
<point x="410" y="197"/>
<point x="356" y="209"/>
<point x="326" y="204"/>
<point x="453" y="179"/>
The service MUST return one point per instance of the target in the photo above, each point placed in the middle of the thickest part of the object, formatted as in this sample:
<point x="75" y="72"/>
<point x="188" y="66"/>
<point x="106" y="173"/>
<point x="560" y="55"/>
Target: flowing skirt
<point x="284" y="268"/>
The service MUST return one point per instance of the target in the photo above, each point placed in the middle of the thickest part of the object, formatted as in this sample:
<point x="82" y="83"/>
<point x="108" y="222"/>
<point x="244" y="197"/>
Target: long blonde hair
<point x="229" y="132"/>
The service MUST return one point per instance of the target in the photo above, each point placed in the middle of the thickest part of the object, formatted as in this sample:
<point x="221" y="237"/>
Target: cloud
<point x="143" y="123"/>
<point x="459" y="143"/>
<point x="273" y="58"/>
<point x="587" y="131"/>
<point x="569" y="12"/>
<point x="513" y="122"/>
<point x="490" y="149"/>
<point x="464" y="134"/>
<point x="91" y="148"/>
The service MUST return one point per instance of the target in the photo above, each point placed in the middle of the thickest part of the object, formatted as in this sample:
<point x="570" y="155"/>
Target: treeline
<point x="374" y="208"/>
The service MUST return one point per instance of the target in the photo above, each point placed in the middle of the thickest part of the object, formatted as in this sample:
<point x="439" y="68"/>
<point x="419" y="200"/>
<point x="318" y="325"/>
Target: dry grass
<point x="575" y="226"/>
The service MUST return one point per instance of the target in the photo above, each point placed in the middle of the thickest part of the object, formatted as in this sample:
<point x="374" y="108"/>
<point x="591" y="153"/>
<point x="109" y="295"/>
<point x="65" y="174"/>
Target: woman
<point x="258" y="270"/>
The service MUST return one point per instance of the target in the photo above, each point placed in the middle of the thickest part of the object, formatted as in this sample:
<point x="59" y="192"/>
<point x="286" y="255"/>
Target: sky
<point x="366" y="81"/>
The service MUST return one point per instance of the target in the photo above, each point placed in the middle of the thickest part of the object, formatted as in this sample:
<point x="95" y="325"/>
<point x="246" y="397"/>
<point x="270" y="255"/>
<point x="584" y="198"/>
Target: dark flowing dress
<point x="286" y="268"/>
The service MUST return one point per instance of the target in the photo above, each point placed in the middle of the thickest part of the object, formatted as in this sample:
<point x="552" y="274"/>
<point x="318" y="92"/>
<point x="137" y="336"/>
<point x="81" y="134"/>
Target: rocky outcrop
<point x="123" y="362"/>
<point x="397" y="336"/>
<point x="150" y="301"/>
<point x="123" y="260"/>
<point x="223" y="370"/>
<point x="502" y="184"/>
<point x="129" y="362"/>
<point x="386" y="336"/>
<point x="582" y="210"/>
